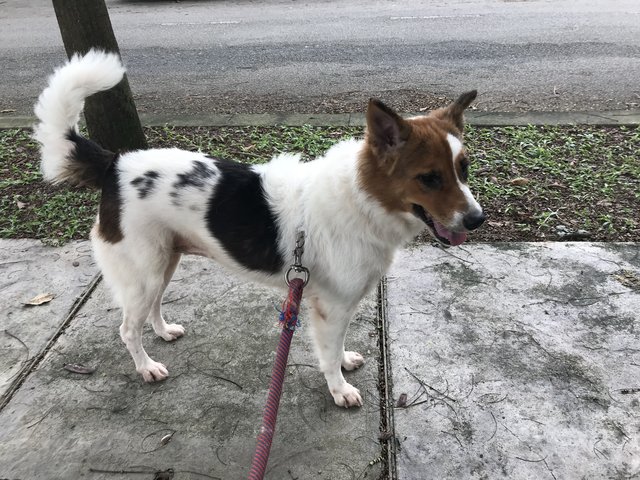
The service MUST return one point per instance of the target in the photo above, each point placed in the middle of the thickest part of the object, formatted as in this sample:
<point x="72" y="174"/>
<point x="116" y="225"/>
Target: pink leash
<point x="288" y="321"/>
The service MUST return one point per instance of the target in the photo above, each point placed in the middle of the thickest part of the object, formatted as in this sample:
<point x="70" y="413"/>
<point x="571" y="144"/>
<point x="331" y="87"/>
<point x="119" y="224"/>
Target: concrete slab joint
<point x="29" y="269"/>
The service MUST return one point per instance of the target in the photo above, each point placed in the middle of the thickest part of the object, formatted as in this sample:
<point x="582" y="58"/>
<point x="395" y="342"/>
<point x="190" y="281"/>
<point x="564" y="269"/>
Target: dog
<point x="358" y="204"/>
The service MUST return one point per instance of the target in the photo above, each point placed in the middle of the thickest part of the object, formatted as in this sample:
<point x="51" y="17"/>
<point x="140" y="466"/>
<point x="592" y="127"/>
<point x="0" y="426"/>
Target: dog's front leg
<point x="329" y="325"/>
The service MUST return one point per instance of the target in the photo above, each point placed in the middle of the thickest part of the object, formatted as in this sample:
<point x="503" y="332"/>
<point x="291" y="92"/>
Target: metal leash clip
<point x="297" y="261"/>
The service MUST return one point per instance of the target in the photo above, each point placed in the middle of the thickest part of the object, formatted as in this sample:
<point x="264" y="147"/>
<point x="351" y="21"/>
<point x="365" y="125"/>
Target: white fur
<point x="60" y="104"/>
<point x="473" y="206"/>
<point x="456" y="146"/>
<point x="350" y="242"/>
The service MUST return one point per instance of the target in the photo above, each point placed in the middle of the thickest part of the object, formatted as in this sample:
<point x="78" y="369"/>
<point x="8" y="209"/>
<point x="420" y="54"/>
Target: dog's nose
<point x="471" y="221"/>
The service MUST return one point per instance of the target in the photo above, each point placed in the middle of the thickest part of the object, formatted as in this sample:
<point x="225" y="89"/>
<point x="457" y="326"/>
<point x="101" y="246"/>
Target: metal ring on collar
<point x="297" y="269"/>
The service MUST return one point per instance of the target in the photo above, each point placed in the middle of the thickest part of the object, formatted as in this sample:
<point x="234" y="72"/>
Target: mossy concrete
<point x="516" y="362"/>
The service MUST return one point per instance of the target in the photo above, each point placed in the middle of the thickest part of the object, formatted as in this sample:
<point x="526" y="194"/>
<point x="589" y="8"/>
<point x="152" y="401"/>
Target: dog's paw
<point x="172" y="332"/>
<point x="347" y="396"/>
<point x="352" y="360"/>
<point x="153" y="371"/>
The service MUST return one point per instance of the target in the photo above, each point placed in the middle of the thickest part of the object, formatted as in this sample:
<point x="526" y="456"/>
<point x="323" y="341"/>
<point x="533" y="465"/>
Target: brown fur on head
<point x="454" y="112"/>
<point x="409" y="163"/>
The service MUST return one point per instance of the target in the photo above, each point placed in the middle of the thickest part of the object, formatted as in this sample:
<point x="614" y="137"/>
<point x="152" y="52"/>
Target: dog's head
<point x="419" y="165"/>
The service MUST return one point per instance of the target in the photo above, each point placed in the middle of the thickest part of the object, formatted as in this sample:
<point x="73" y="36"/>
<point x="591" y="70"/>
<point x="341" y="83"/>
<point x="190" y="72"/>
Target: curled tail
<point x="65" y="155"/>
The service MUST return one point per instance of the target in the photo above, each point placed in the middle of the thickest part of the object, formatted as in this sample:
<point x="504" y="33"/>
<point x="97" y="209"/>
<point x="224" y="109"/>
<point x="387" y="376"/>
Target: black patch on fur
<point x="198" y="177"/>
<point x="110" y="206"/>
<point x="145" y="183"/>
<point x="90" y="163"/>
<point x="239" y="216"/>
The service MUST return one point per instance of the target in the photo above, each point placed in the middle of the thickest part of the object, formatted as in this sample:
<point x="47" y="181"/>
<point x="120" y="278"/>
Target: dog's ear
<point x="455" y="111"/>
<point x="386" y="130"/>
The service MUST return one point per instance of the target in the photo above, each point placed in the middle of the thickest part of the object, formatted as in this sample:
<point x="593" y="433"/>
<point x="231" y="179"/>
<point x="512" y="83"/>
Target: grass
<point x="250" y="144"/>
<point x="537" y="179"/>
<point x="535" y="183"/>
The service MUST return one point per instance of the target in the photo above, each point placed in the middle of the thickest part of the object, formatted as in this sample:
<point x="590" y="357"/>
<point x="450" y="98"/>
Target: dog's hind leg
<point x="329" y="326"/>
<point x="135" y="279"/>
<point x="167" y="331"/>
<point x="137" y="304"/>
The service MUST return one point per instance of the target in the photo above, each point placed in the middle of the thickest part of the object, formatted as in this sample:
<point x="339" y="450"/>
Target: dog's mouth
<point x="439" y="231"/>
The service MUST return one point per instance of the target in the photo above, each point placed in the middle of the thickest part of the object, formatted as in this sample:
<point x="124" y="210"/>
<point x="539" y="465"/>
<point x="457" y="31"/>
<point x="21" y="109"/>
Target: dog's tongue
<point x="453" y="237"/>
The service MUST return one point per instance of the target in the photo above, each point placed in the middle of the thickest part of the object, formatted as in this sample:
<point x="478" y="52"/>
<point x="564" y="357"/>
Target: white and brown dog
<point x="358" y="204"/>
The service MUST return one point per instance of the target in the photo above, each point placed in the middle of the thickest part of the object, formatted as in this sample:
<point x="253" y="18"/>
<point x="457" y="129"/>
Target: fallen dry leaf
<point x="77" y="368"/>
<point x="167" y="438"/>
<point x="628" y="279"/>
<point x="519" y="181"/>
<point x="40" y="299"/>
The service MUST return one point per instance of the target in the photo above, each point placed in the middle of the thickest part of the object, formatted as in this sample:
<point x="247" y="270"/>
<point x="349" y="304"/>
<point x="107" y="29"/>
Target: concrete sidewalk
<point x="63" y="425"/>
<point x="497" y="361"/>
<point x="518" y="361"/>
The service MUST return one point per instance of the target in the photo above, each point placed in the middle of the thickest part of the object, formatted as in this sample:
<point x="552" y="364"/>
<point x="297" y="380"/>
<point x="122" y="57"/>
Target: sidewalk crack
<point x="387" y="424"/>
<point x="31" y="364"/>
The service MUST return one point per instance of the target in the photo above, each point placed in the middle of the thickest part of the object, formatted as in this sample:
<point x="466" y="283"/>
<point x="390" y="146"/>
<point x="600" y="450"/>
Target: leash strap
<point x="289" y="318"/>
<point x="289" y="322"/>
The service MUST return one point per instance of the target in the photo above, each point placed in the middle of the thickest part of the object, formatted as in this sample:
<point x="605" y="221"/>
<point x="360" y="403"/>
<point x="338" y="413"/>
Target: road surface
<point x="331" y="56"/>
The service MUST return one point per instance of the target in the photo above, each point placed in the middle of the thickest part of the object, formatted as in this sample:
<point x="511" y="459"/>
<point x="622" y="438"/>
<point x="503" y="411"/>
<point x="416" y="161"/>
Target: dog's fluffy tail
<point x="65" y="155"/>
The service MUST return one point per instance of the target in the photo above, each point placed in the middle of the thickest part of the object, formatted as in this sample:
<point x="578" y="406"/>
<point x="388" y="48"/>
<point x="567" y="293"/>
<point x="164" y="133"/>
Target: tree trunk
<point x="112" y="118"/>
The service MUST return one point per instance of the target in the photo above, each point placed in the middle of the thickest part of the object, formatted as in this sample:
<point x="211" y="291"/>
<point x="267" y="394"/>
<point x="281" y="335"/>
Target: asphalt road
<point x="330" y="56"/>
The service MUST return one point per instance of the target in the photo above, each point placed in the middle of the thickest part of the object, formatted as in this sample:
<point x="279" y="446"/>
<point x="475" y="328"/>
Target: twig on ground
<point x="37" y="422"/>
<point x="161" y="443"/>
<point x="495" y="429"/>
<point x="166" y="302"/>
<point x="423" y="383"/>
<point x="19" y="340"/>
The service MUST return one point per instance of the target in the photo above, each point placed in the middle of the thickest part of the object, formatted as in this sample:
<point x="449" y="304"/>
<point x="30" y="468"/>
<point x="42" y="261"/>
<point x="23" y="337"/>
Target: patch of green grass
<point x="530" y="180"/>
<point x="29" y="207"/>
<point x="580" y="177"/>
<point x="64" y="215"/>
<point x="250" y="144"/>
<point x="15" y="143"/>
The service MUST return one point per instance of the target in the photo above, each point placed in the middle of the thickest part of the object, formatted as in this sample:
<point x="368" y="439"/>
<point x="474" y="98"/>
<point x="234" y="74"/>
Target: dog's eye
<point x="464" y="169"/>
<point x="431" y="181"/>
